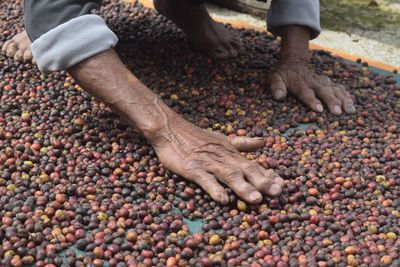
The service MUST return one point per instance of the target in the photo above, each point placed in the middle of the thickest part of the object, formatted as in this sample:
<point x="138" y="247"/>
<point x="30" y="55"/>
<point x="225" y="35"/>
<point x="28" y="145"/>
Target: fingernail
<point x="337" y="109"/>
<point x="255" y="196"/>
<point x="319" y="108"/>
<point x="351" y="109"/>
<point x="224" y="199"/>
<point x="275" y="189"/>
<point x="279" y="94"/>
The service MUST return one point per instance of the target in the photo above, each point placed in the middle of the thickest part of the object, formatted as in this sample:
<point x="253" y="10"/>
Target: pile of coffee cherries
<point x="81" y="187"/>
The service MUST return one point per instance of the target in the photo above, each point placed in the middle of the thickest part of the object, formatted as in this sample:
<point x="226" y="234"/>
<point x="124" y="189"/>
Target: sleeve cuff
<point x="294" y="12"/>
<point x="72" y="42"/>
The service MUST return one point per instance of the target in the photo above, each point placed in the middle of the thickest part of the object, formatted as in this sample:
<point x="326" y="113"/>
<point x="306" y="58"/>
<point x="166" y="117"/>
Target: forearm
<point x="295" y="43"/>
<point x="66" y="35"/>
<point x="105" y="77"/>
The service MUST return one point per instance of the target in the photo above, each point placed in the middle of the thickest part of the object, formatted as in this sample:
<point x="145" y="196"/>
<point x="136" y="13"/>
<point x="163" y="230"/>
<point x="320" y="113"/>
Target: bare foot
<point x="211" y="37"/>
<point x="19" y="48"/>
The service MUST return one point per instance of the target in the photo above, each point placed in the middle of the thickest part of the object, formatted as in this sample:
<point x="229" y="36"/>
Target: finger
<point x="27" y="55"/>
<point x="220" y="53"/>
<point x="210" y="184"/>
<point x="11" y="49"/>
<point x="277" y="85"/>
<point x="235" y="180"/>
<point x="327" y="96"/>
<point x="237" y="44"/>
<point x="18" y="56"/>
<point x="277" y="179"/>
<point x="33" y="60"/>
<point x="344" y="96"/>
<point x="307" y="96"/>
<point x="262" y="181"/>
<point x="232" y="51"/>
<point x="246" y="144"/>
<point x="5" y="46"/>
<point x="239" y="47"/>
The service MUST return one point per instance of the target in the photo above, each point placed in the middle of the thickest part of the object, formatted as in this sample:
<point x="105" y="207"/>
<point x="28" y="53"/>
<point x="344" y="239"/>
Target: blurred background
<point x="365" y="28"/>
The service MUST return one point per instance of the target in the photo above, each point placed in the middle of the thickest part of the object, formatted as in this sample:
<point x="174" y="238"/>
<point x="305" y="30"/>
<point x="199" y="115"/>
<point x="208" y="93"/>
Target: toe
<point x="18" y="55"/>
<point x="28" y="55"/>
<point x="220" y="53"/>
<point x="5" y="46"/>
<point x="11" y="49"/>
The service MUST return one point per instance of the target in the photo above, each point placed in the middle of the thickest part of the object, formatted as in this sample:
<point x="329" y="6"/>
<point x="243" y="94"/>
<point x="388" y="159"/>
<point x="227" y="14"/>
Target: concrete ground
<point x="364" y="28"/>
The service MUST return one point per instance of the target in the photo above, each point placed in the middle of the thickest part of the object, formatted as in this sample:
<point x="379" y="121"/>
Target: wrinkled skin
<point x="198" y="155"/>
<point x="294" y="74"/>
<point x="207" y="157"/>
<point x="203" y="157"/>
<point x="310" y="88"/>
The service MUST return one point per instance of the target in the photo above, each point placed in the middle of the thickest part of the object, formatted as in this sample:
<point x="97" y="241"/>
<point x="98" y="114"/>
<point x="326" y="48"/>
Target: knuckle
<point x="307" y="95"/>
<point x="339" y="94"/>
<point x="304" y="92"/>
<point x="335" y="101"/>
<point x="298" y="84"/>
<point x="327" y="90"/>
<point x="322" y="79"/>
<point x="233" y="175"/>
<point x="346" y="93"/>
<point x="270" y="173"/>
<point x="249" y="167"/>
<point x="262" y="184"/>
<point x="340" y="90"/>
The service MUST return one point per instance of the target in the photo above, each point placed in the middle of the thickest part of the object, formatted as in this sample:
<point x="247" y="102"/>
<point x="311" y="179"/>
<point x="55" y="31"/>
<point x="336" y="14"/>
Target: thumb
<point x="245" y="143"/>
<point x="277" y="85"/>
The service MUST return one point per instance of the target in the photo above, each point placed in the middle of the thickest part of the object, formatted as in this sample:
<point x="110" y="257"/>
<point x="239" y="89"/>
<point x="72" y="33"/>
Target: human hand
<point x="312" y="89"/>
<point x="208" y="158"/>
<point x="294" y="74"/>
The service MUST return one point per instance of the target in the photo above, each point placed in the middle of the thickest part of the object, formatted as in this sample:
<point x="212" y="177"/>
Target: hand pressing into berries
<point x="294" y="74"/>
<point x="310" y="88"/>
<point x="208" y="158"/>
<point x="203" y="157"/>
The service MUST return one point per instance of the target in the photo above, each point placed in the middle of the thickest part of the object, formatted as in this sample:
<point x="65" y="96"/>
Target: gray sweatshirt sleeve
<point x="294" y="12"/>
<point x="65" y="32"/>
